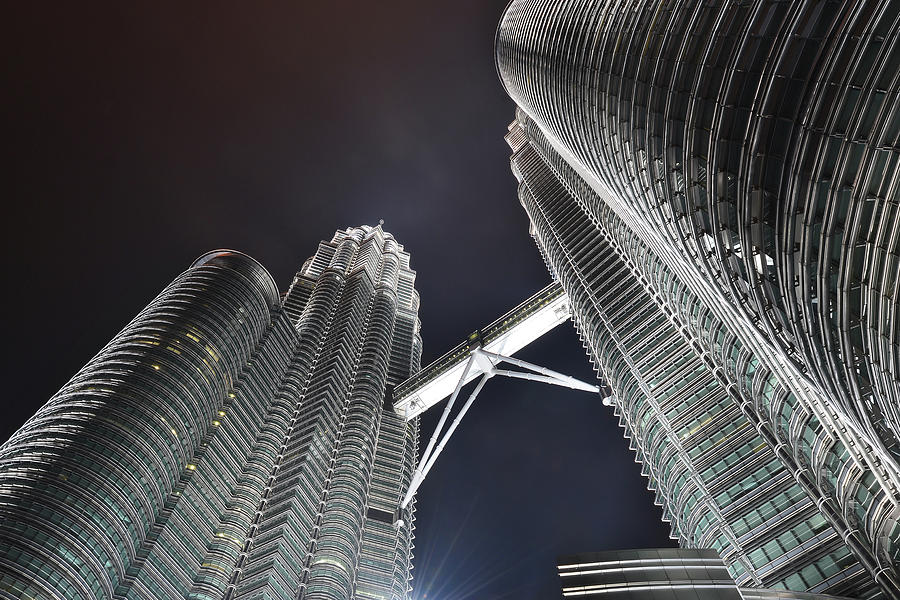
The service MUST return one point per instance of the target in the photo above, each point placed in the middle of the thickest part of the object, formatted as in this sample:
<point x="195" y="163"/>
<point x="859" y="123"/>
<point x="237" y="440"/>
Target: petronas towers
<point x="715" y="186"/>
<point x="229" y="442"/>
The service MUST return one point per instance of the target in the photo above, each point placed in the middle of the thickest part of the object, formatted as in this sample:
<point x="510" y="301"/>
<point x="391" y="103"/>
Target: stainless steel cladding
<point x="742" y="159"/>
<point x="721" y="485"/>
<point x="228" y="443"/>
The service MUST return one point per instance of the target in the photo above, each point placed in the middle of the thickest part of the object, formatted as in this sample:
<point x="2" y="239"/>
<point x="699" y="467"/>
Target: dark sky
<point x="136" y="137"/>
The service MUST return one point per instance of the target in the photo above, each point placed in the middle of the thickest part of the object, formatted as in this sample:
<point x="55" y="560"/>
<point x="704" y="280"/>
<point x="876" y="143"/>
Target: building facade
<point x="229" y="443"/>
<point x="719" y="482"/>
<point x="647" y="574"/>
<point x="739" y="161"/>
<point x="660" y="574"/>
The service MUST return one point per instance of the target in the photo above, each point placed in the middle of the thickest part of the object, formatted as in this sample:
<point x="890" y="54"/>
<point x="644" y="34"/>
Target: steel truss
<point x="486" y="362"/>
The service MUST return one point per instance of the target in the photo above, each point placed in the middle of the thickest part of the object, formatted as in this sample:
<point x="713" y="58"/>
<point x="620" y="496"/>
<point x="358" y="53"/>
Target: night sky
<point x="137" y="137"/>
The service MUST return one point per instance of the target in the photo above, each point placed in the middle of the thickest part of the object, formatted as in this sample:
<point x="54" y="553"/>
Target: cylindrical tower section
<point x="84" y="479"/>
<point x="758" y="141"/>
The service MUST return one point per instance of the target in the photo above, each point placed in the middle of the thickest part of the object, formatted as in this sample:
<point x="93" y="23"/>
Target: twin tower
<point x="715" y="186"/>
<point x="230" y="442"/>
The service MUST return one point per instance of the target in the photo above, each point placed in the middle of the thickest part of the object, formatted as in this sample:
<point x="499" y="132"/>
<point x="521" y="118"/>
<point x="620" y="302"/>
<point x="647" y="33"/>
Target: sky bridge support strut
<point x="486" y="362"/>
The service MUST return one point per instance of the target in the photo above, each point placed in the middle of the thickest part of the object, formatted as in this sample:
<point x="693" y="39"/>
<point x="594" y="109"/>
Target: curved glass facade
<point x="741" y="158"/>
<point x="228" y="443"/>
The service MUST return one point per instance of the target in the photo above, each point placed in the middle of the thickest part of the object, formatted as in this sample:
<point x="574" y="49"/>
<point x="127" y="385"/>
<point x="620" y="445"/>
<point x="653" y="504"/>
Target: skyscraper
<point x="736" y="165"/>
<point x="720" y="484"/>
<point x="229" y="442"/>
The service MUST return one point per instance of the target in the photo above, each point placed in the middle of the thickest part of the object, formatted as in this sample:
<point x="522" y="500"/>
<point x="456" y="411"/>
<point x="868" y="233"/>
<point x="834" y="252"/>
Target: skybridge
<point x="507" y="335"/>
<point x="480" y="357"/>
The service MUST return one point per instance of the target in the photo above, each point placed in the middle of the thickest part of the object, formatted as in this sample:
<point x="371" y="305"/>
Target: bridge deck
<point x="516" y="329"/>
